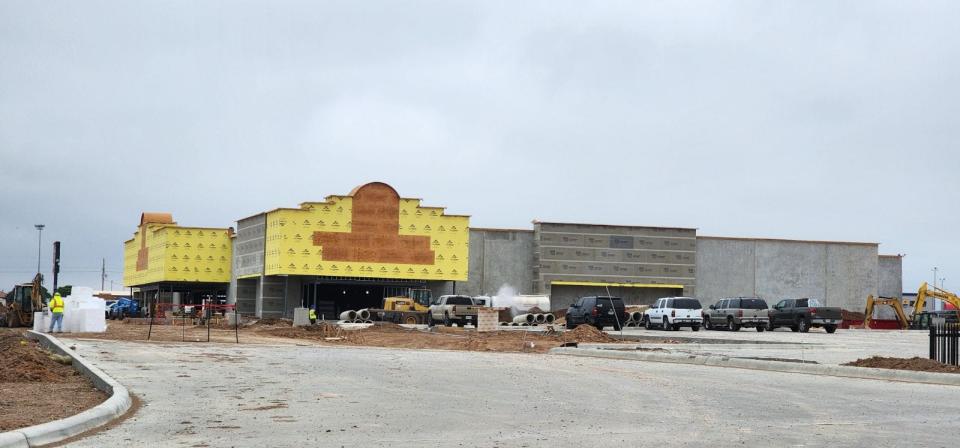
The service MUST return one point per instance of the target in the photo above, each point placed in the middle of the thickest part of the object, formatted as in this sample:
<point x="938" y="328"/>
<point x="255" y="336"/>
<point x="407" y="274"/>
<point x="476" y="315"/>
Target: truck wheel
<point x="666" y="324"/>
<point x="759" y="328"/>
<point x="731" y="325"/>
<point x="646" y="323"/>
<point x="706" y="323"/>
<point x="771" y="326"/>
<point x="430" y="322"/>
<point x="803" y="326"/>
<point x="830" y="328"/>
<point x="617" y="327"/>
<point x="695" y="328"/>
<point x="569" y="325"/>
<point x="410" y="320"/>
<point x="446" y="320"/>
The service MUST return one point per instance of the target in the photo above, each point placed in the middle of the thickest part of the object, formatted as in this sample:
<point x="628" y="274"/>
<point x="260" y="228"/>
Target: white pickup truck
<point x="671" y="313"/>
<point x="451" y="310"/>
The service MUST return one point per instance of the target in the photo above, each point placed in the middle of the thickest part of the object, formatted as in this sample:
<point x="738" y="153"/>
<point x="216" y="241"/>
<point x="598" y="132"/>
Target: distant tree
<point x="65" y="290"/>
<point x="45" y="294"/>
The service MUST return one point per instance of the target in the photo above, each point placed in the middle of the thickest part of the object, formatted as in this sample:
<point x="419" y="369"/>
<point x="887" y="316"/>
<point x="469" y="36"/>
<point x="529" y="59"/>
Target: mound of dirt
<point x="27" y="377"/>
<point x="851" y="315"/>
<point x="586" y="333"/>
<point x="918" y="364"/>
<point x="270" y="322"/>
<point x="25" y="362"/>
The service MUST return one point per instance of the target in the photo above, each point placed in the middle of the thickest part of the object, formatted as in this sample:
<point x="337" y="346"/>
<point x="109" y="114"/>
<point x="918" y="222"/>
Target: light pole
<point x="39" y="228"/>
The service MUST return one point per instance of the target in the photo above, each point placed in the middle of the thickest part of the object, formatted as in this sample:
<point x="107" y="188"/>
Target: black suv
<point x="599" y="311"/>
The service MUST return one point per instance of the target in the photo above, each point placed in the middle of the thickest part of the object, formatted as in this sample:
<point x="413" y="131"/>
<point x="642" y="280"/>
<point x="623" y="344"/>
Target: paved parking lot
<point x="817" y="345"/>
<point x="221" y="395"/>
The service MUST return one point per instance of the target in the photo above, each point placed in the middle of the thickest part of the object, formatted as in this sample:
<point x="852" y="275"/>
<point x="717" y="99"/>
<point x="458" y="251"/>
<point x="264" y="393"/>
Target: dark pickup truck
<point x="802" y="314"/>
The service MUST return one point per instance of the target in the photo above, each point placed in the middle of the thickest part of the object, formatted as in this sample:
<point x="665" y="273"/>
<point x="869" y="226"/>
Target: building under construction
<point x="350" y="251"/>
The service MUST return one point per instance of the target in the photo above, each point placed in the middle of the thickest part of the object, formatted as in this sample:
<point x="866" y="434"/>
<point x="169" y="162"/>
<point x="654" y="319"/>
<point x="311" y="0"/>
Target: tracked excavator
<point x="21" y="303"/>
<point x="922" y="319"/>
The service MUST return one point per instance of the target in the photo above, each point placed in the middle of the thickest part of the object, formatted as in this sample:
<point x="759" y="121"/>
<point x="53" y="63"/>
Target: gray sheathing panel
<point x="248" y="251"/>
<point x="891" y="276"/>
<point x="272" y="297"/>
<point x="497" y="258"/>
<point x="246" y="295"/>
<point x="613" y="254"/>
<point x="725" y="268"/>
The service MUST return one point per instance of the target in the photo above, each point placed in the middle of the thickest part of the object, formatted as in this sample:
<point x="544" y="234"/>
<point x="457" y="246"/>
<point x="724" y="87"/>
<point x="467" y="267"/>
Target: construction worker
<point x="56" y="306"/>
<point x="313" y="316"/>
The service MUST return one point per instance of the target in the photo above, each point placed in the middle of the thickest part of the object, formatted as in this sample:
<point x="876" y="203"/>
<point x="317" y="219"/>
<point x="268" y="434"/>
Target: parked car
<point x="599" y="311"/>
<point x="802" y="314"/>
<point x="452" y="309"/>
<point x="124" y="307"/>
<point x="672" y="313"/>
<point x="735" y="312"/>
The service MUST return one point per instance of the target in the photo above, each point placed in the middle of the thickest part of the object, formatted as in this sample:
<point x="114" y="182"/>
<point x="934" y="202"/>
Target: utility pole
<point x="39" y="228"/>
<point x="103" y="272"/>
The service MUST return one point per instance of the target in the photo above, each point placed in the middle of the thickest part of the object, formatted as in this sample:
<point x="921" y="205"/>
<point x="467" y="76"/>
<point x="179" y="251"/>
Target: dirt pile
<point x="270" y="322"/>
<point x="27" y="377"/>
<point x="24" y="362"/>
<point x="586" y="333"/>
<point x="445" y="338"/>
<point x="851" y="315"/>
<point x="918" y="364"/>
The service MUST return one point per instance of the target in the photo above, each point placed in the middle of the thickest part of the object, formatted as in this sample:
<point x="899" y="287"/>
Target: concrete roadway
<point x="817" y="345"/>
<point x="220" y="395"/>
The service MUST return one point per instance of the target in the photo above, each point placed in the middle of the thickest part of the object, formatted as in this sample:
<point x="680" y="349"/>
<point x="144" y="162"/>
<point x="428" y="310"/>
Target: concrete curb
<point x="57" y="430"/>
<point x="907" y="376"/>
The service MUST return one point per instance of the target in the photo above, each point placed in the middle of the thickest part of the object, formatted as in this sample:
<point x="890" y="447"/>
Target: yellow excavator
<point x="410" y="309"/>
<point x="922" y="319"/>
<point x="888" y="301"/>
<point x="21" y="304"/>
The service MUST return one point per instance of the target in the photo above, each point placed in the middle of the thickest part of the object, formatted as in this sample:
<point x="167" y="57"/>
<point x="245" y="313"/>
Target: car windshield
<point x="459" y="300"/>
<point x="753" y="304"/>
<point x="686" y="304"/>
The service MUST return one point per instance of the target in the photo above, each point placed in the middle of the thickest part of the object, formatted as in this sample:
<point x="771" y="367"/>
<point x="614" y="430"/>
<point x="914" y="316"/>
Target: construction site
<point x="362" y="287"/>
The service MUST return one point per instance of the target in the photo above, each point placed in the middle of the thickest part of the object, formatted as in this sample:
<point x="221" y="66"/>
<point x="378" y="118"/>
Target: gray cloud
<point x="809" y="120"/>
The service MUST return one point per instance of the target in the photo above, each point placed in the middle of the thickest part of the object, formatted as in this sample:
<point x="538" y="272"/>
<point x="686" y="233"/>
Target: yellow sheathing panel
<point x="196" y="255"/>
<point x="290" y="246"/>
<point x="178" y="254"/>
<point x="617" y="285"/>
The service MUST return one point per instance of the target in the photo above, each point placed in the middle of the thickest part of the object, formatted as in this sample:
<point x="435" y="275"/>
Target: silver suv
<point x="736" y="312"/>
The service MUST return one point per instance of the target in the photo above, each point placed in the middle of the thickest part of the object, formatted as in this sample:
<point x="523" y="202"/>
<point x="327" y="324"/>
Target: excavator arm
<point x="936" y="293"/>
<point x="36" y="292"/>
<point x="889" y="301"/>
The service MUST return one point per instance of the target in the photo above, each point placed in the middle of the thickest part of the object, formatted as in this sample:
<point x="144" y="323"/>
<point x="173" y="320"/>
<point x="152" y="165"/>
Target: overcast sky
<point x="805" y="120"/>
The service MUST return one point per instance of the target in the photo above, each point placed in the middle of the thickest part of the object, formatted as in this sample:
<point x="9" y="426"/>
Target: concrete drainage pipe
<point x="363" y="314"/>
<point x="524" y="319"/>
<point x="349" y="315"/>
<point x="549" y="318"/>
<point x="538" y="318"/>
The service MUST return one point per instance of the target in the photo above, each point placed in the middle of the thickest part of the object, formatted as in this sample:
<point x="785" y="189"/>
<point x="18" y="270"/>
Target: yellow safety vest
<point x="313" y="313"/>
<point x="56" y="305"/>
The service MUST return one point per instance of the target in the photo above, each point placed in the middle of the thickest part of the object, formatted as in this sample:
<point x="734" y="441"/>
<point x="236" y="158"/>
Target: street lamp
<point x="39" y="228"/>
